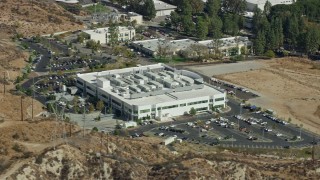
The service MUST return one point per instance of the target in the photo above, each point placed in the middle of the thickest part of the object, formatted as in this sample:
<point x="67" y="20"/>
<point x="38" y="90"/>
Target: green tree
<point x="292" y="31"/>
<point x="312" y="40"/>
<point x="215" y="27"/>
<point x="187" y="24"/>
<point x="267" y="8"/>
<point x="197" y="6"/>
<point x="100" y="105"/>
<point x="259" y="43"/>
<point x="149" y="9"/>
<point x="114" y="31"/>
<point x="175" y="20"/>
<point x="234" y="6"/>
<point x="213" y="7"/>
<point x="193" y="111"/>
<point x="201" y="28"/>
<point x="186" y="8"/>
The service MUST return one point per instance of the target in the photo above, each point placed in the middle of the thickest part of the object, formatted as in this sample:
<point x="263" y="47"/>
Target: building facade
<point x="154" y="91"/>
<point x="103" y="34"/>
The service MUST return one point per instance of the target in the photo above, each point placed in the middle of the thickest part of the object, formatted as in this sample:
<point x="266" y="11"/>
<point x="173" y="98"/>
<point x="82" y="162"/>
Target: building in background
<point x="103" y="34"/>
<point x="155" y="91"/>
<point x="131" y="16"/>
<point x="163" y="9"/>
<point x="228" y="46"/>
<point x="68" y="1"/>
<point x="252" y="4"/>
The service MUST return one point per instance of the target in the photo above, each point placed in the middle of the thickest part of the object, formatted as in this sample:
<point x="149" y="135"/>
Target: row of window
<point x="219" y="99"/>
<point x="198" y="102"/>
<point x="145" y="111"/>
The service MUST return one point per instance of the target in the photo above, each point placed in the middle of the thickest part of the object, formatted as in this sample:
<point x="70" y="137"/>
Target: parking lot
<point x="72" y="63"/>
<point x="250" y="129"/>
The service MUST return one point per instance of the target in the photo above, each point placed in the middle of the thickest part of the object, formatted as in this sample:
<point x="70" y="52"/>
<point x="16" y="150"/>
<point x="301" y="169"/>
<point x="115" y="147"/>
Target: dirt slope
<point x="34" y="17"/>
<point x="110" y="157"/>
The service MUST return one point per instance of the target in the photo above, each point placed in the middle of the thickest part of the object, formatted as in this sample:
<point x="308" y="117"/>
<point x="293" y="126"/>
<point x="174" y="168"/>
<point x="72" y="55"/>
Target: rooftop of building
<point x="152" y="84"/>
<point x="160" y="5"/>
<point x="105" y="30"/>
<point x="68" y="1"/>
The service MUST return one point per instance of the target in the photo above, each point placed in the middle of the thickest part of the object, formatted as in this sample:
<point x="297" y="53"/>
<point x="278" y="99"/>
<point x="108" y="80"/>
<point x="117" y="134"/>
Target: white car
<point x="208" y="122"/>
<point x="278" y="134"/>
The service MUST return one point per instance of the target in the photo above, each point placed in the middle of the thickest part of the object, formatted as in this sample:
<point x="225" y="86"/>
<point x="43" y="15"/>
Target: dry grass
<point x="290" y="86"/>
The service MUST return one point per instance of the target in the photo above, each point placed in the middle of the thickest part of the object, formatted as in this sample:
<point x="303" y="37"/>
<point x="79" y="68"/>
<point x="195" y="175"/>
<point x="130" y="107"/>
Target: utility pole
<point x="21" y="108"/>
<point x="4" y="83"/>
<point x="84" y="118"/>
<point x="33" y="89"/>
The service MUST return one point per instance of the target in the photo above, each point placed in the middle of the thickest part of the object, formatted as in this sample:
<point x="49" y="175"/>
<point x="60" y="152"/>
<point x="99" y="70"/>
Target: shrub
<point x="270" y="54"/>
<point x="17" y="148"/>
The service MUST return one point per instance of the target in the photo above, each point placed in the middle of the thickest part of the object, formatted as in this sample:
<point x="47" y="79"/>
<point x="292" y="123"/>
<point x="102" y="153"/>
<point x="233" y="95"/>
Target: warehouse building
<point x="103" y="34"/>
<point x="155" y="91"/>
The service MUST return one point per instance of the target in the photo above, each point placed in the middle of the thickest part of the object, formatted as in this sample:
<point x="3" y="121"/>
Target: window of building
<point x="198" y="102"/>
<point x="159" y="108"/>
<point x="145" y="111"/>
<point x="184" y="104"/>
<point x="79" y="82"/>
<point x="170" y="107"/>
<point x="153" y="109"/>
<point x="202" y="109"/>
<point x="219" y="99"/>
<point x="103" y="95"/>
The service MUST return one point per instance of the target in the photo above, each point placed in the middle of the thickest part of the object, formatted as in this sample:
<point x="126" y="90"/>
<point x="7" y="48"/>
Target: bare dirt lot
<point x="290" y="86"/>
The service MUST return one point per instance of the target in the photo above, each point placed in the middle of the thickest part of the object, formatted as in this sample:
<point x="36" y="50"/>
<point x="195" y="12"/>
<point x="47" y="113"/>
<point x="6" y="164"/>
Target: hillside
<point x="28" y="152"/>
<point x="34" y="17"/>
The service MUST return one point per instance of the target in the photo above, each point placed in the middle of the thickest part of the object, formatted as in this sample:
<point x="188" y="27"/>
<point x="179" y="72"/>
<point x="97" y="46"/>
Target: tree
<point x="149" y="9"/>
<point x="201" y="28"/>
<point x="114" y="31"/>
<point x="213" y="7"/>
<point x="234" y="6"/>
<point x="292" y="31"/>
<point x="214" y="27"/>
<point x="187" y="24"/>
<point x="186" y="8"/>
<point x="197" y="6"/>
<point x="198" y="50"/>
<point x="312" y="40"/>
<point x="259" y="43"/>
<point x="164" y="48"/>
<point x="175" y="20"/>
<point x="75" y="104"/>
<point x="100" y="105"/>
<point x="193" y="111"/>
<point x="91" y="108"/>
<point x="267" y="8"/>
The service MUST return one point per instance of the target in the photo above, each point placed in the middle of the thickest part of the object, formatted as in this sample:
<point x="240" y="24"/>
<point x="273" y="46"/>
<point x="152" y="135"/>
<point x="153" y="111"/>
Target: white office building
<point x="103" y="34"/>
<point x="156" y="91"/>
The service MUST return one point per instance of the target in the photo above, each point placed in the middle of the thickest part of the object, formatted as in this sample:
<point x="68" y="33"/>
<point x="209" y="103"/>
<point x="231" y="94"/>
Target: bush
<point x="95" y="129"/>
<point x="17" y="148"/>
<point x="270" y="54"/>
<point x="237" y="58"/>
